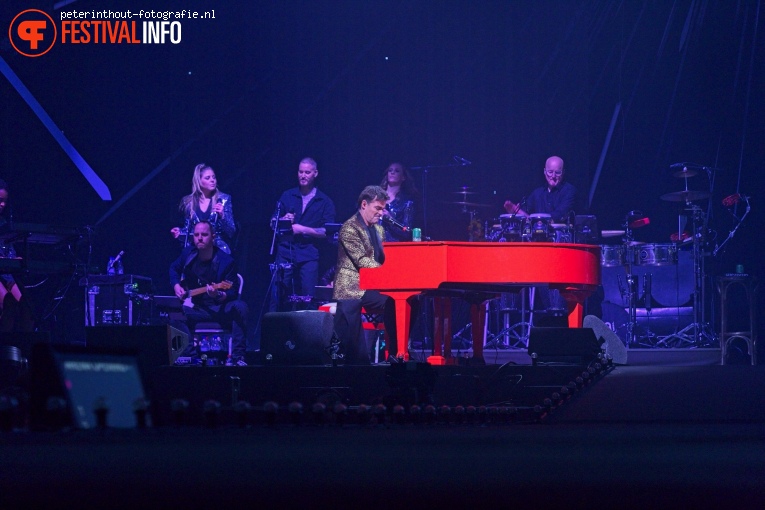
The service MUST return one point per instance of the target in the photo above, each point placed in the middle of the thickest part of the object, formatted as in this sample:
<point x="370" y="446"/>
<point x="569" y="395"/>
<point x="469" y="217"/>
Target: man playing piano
<point x="360" y="244"/>
<point x="205" y="266"/>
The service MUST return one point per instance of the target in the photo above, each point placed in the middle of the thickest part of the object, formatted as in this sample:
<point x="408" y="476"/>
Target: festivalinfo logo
<point x="34" y="32"/>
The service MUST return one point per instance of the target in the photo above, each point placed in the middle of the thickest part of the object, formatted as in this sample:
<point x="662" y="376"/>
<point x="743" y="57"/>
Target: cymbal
<point x="684" y="196"/>
<point x="685" y="172"/>
<point x="464" y="192"/>
<point x="470" y="204"/>
<point x="612" y="233"/>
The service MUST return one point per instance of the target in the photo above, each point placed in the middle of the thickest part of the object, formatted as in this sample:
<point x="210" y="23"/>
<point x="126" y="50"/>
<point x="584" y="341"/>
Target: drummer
<point x="556" y="198"/>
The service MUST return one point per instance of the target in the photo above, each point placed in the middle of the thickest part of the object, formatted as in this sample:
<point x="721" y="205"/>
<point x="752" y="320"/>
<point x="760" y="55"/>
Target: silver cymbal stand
<point x="629" y="295"/>
<point x="698" y="333"/>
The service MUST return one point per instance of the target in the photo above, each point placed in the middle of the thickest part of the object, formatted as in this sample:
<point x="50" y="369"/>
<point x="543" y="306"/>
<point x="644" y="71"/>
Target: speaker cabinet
<point x="297" y="338"/>
<point x="577" y="346"/>
<point x="157" y="345"/>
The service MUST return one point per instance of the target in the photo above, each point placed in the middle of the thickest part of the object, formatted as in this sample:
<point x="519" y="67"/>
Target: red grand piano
<point x="475" y="271"/>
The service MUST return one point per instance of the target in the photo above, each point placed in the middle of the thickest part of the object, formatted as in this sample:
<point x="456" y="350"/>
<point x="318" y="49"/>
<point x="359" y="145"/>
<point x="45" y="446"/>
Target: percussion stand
<point x="630" y="294"/>
<point x="519" y="332"/>
<point x="702" y="335"/>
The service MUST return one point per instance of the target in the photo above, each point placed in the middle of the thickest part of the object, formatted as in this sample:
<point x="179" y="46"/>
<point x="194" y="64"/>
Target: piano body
<point x="477" y="271"/>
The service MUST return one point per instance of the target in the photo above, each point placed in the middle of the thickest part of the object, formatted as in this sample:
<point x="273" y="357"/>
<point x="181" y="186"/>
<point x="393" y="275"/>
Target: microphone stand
<point x="276" y="227"/>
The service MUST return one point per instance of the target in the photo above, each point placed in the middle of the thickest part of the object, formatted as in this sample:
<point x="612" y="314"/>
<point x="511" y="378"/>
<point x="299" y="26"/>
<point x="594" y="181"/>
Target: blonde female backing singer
<point x="206" y="202"/>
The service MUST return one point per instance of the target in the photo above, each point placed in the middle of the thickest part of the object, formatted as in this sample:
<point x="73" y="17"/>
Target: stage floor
<point x="633" y="436"/>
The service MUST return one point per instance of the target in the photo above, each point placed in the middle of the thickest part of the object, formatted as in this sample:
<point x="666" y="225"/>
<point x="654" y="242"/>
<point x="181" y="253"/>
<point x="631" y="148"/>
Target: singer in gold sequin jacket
<point x="360" y="245"/>
<point x="354" y="251"/>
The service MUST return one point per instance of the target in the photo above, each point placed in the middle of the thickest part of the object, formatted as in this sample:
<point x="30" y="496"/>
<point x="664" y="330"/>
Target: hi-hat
<point x="684" y="196"/>
<point x="612" y="233"/>
<point x="469" y="204"/>
<point x="685" y="172"/>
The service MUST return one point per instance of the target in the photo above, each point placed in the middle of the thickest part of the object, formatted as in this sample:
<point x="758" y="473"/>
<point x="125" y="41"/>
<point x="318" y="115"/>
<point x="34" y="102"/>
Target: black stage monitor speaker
<point x="297" y="338"/>
<point x="157" y="345"/>
<point x="578" y="346"/>
<point x="69" y="384"/>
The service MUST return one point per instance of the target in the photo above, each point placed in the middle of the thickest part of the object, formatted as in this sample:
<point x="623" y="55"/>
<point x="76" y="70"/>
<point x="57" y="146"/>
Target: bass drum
<point x="655" y="255"/>
<point x="671" y="286"/>
<point x="611" y="255"/>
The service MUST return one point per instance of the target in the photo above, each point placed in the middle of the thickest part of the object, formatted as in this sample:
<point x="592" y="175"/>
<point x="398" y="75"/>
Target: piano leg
<point x="442" y="332"/>
<point x="403" y="316"/>
<point x="478" y="322"/>
<point x="576" y="316"/>
<point x="575" y="303"/>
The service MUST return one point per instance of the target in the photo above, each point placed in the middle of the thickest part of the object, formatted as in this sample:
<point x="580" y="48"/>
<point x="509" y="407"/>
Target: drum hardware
<point x="685" y="172"/>
<point x="512" y="336"/>
<point x="731" y="201"/>
<point x="585" y="229"/>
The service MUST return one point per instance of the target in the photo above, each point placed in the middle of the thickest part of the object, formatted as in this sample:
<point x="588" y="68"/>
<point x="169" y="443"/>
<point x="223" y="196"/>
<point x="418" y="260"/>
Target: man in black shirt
<point x="297" y="255"/>
<point x="205" y="266"/>
<point x="556" y="198"/>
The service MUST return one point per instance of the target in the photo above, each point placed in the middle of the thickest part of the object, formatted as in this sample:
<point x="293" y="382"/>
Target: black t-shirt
<point x="204" y="273"/>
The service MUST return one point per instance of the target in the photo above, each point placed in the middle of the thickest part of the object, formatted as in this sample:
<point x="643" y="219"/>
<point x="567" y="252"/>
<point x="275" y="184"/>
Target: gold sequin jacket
<point x="354" y="251"/>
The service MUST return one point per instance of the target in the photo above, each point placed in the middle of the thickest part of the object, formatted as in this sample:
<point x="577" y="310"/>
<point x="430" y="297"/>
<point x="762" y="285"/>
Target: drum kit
<point x="627" y="254"/>
<point x="631" y="253"/>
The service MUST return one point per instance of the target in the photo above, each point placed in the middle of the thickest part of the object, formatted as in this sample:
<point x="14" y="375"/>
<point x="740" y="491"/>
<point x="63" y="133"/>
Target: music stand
<point x="331" y="229"/>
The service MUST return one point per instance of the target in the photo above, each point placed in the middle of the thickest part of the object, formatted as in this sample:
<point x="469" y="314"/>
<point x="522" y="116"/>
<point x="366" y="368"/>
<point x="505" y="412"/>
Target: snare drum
<point x="611" y="255"/>
<point x="540" y="226"/>
<point x="512" y="226"/>
<point x="655" y="255"/>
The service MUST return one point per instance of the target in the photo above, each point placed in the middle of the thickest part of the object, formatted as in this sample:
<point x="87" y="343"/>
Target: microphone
<point x="462" y="161"/>
<point x="214" y="215"/>
<point x="390" y="221"/>
<point x="112" y="263"/>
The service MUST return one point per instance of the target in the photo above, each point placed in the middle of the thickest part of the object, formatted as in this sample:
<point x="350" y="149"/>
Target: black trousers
<point x="350" y="332"/>
<point x="16" y="315"/>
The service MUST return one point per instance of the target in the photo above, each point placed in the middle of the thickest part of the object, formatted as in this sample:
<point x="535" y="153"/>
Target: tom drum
<point x="655" y="255"/>
<point x="611" y="255"/>
<point x="512" y="226"/>
<point x="540" y="225"/>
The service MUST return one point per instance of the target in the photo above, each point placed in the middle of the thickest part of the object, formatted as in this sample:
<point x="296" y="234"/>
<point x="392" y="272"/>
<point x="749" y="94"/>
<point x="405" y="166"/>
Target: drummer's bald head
<point x="554" y="162"/>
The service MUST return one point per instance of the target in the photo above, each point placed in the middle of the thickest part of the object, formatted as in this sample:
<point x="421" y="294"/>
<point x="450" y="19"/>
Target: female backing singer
<point x="399" y="185"/>
<point x="206" y="203"/>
